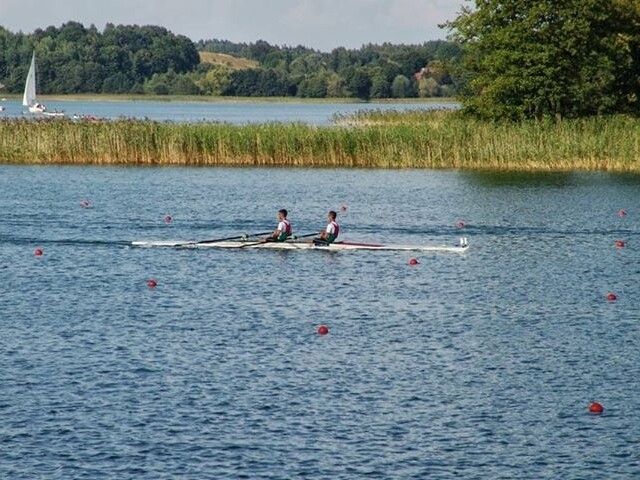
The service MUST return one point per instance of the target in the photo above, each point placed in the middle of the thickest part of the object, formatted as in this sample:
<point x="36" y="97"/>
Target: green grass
<point x="437" y="140"/>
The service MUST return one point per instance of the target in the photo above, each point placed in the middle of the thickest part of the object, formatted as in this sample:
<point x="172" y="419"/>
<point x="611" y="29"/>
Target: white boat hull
<point x="334" y="247"/>
<point x="42" y="111"/>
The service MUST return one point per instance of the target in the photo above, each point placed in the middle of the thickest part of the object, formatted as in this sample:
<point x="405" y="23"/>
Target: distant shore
<point x="415" y="139"/>
<point x="104" y="97"/>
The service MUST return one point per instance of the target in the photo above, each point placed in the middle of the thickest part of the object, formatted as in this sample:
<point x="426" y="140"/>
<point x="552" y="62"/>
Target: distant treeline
<point x="372" y="71"/>
<point x="76" y="59"/>
<point x="149" y="59"/>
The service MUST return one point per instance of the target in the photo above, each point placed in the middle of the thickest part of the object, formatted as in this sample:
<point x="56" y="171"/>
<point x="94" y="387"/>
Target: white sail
<point x="29" y="98"/>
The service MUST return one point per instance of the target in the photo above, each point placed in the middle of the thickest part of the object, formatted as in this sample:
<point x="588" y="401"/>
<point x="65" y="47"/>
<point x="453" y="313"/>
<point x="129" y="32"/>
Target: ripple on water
<point x="475" y="366"/>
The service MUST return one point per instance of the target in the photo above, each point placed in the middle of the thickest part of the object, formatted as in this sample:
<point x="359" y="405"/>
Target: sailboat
<point x="29" y="98"/>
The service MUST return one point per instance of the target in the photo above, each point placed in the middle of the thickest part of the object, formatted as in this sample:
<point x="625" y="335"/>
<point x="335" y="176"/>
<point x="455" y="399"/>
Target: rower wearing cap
<point x="283" y="231"/>
<point x="329" y="234"/>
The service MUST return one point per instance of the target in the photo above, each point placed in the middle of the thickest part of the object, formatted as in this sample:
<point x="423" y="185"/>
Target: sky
<point x="320" y="24"/>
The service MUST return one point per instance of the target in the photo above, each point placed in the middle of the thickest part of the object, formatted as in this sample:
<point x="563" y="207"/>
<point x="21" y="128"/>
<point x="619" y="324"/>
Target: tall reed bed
<point x="439" y="140"/>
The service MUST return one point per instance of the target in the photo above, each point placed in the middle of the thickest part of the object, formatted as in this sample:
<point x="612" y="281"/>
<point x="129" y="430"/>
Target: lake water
<point x="470" y="366"/>
<point x="228" y="112"/>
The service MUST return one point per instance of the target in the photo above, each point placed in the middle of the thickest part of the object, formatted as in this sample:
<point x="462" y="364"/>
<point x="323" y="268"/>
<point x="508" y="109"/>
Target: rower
<point x="283" y="231"/>
<point x="329" y="234"/>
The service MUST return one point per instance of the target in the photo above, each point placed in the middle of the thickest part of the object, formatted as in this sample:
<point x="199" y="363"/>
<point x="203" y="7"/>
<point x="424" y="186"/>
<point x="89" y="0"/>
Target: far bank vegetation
<point x="131" y="59"/>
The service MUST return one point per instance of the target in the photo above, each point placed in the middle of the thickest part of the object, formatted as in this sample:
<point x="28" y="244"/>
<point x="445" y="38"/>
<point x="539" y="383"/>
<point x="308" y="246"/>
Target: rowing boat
<point x="298" y="245"/>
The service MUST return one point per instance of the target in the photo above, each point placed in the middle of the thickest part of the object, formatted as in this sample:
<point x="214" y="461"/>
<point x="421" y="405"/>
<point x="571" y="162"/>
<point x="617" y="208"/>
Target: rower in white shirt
<point x="283" y="231"/>
<point x="329" y="234"/>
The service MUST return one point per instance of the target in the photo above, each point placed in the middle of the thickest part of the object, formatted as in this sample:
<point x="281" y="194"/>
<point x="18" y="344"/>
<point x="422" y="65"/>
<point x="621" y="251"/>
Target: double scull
<point x="462" y="247"/>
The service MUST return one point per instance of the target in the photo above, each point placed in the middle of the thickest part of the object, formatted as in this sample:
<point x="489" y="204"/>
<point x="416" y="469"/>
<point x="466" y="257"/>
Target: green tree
<point x="184" y="84"/>
<point x="548" y="58"/>
<point x="159" y="83"/>
<point x="428" y="87"/>
<point x="358" y="83"/>
<point x="380" y="87"/>
<point x="216" y="81"/>
<point x="400" y="88"/>
<point x="437" y="69"/>
<point x="336" y="87"/>
<point x="313" y="87"/>
<point x="75" y="59"/>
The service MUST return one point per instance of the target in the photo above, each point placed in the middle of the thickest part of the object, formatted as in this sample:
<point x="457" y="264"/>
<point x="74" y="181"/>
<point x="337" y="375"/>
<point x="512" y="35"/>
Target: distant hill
<point x="371" y="71"/>
<point x="223" y="59"/>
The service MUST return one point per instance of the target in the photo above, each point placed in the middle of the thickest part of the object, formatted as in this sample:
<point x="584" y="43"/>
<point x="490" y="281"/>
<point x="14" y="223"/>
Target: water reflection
<point x="548" y="179"/>
<point x="519" y="179"/>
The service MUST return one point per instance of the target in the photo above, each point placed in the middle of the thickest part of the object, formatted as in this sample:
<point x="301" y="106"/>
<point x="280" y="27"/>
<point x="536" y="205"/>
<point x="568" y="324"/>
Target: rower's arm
<point x="275" y="234"/>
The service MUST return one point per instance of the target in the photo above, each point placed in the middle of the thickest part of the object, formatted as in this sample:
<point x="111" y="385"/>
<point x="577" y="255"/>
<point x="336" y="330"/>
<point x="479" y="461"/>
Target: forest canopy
<point x="73" y="58"/>
<point x="76" y="59"/>
<point x="573" y="58"/>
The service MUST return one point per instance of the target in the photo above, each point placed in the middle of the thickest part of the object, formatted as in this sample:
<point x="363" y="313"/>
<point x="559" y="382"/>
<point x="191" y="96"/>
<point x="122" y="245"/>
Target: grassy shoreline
<point x="433" y="140"/>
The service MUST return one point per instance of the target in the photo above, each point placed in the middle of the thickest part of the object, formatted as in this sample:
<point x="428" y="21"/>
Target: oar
<point x="292" y="237"/>
<point x="295" y="237"/>
<point x="215" y="240"/>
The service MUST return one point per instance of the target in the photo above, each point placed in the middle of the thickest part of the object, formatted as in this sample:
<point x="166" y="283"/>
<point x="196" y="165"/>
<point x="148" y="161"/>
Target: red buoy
<point x="612" y="297"/>
<point x="168" y="218"/>
<point x="152" y="283"/>
<point x="343" y="208"/>
<point x="323" y="330"/>
<point x="413" y="261"/>
<point x="38" y="252"/>
<point x="460" y="224"/>
<point x="85" y="203"/>
<point x="596" y="408"/>
<point x="622" y="213"/>
<point x="620" y="244"/>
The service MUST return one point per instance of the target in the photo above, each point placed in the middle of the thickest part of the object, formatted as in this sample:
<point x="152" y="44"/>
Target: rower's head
<point x="332" y="216"/>
<point x="282" y="214"/>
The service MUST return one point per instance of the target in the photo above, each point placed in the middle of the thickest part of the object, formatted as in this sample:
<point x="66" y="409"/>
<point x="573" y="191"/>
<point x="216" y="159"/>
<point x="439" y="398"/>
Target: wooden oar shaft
<point x="304" y="236"/>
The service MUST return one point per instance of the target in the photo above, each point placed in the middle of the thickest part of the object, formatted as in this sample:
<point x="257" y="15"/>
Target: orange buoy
<point x="152" y="283"/>
<point x="622" y="213"/>
<point x="620" y="244"/>
<point x="38" y="252"/>
<point x="323" y="330"/>
<point x="612" y="297"/>
<point x="414" y="261"/>
<point x="596" y="408"/>
<point x="168" y="218"/>
<point x="460" y="224"/>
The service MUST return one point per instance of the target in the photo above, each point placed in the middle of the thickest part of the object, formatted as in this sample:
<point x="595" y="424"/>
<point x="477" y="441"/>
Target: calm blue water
<point x="476" y="366"/>
<point x="237" y="113"/>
